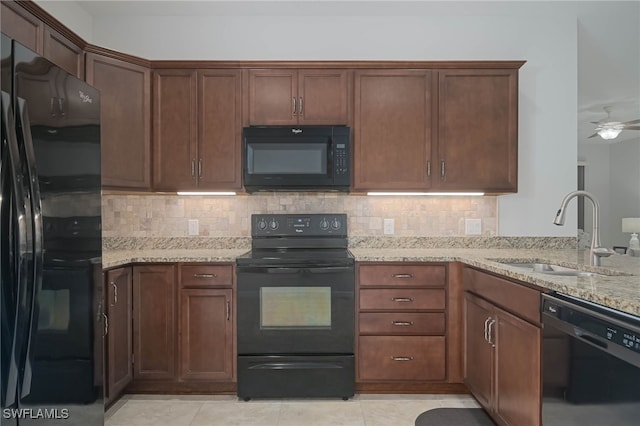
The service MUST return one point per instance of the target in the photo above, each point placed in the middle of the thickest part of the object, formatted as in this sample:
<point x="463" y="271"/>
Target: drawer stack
<point x="401" y="322"/>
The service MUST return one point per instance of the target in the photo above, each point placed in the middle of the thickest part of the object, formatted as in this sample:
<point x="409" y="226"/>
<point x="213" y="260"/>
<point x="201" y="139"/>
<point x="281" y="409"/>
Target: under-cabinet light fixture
<point x="206" y="193"/>
<point x="433" y="194"/>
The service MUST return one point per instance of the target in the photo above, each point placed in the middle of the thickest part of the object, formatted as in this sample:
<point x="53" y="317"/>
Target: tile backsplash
<point x="222" y="216"/>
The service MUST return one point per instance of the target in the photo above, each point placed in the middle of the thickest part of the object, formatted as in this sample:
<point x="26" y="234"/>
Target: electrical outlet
<point x="473" y="226"/>
<point x="194" y="227"/>
<point x="389" y="226"/>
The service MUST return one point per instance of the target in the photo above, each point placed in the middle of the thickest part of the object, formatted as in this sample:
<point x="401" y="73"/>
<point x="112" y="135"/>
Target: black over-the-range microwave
<point x="303" y="158"/>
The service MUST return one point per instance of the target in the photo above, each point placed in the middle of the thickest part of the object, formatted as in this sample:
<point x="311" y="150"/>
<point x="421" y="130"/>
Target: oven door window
<point x="295" y="307"/>
<point x="277" y="158"/>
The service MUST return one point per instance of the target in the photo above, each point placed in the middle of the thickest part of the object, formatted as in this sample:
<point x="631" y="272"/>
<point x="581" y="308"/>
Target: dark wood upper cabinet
<point x="392" y="129"/>
<point x="197" y="129"/>
<point x="154" y="322"/>
<point x="478" y="130"/>
<point x="305" y="96"/>
<point x="125" y="111"/>
<point x="22" y="26"/>
<point x="119" y="332"/>
<point x="63" y="52"/>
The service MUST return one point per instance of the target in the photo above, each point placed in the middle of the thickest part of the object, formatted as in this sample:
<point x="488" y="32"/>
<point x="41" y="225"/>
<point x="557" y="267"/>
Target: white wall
<point x="542" y="33"/>
<point x="72" y="15"/>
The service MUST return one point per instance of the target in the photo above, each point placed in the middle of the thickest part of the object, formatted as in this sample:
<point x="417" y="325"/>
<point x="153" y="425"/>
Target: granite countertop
<point x="618" y="287"/>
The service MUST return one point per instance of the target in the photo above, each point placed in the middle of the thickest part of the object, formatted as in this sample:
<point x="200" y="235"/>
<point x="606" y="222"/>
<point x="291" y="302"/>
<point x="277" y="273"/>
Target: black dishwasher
<point x="591" y="364"/>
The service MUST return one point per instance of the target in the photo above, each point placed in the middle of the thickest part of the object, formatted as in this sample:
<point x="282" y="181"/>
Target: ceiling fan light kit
<point x="608" y="129"/>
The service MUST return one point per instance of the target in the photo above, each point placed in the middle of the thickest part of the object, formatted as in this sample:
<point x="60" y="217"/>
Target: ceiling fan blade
<point x="632" y="122"/>
<point x="592" y="136"/>
<point x="632" y="128"/>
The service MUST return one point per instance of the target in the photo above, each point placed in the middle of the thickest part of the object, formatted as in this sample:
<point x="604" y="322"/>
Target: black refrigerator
<point x="51" y="253"/>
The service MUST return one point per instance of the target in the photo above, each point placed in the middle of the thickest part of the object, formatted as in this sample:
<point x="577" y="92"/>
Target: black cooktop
<point x="307" y="256"/>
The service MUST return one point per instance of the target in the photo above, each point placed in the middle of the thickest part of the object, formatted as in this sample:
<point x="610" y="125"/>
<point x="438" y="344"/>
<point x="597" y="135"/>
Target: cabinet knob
<point x="402" y="299"/>
<point x="402" y="323"/>
<point x="205" y="276"/>
<point x="402" y="275"/>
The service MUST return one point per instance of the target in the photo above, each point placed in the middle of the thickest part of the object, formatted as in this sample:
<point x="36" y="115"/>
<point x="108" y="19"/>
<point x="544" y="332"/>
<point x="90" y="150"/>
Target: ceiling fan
<point x="608" y="129"/>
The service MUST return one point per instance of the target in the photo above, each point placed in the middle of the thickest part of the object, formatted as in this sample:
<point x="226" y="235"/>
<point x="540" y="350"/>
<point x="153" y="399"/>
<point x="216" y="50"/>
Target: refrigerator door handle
<point x="38" y="252"/>
<point x="16" y="269"/>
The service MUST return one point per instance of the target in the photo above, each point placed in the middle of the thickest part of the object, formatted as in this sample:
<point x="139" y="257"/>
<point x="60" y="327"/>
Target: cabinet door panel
<point x="478" y="359"/>
<point x="175" y="130"/>
<point x="63" y="52"/>
<point x="21" y="25"/>
<point x="403" y="275"/>
<point x="154" y="322"/>
<point x="119" y="336"/>
<point x="392" y="129"/>
<point x="478" y="129"/>
<point x="518" y="371"/>
<point x="125" y="121"/>
<point x="271" y="97"/>
<point x="323" y="97"/>
<point x="220" y="129"/>
<point x="206" y="335"/>
<point x="401" y="358"/>
<point x="402" y="299"/>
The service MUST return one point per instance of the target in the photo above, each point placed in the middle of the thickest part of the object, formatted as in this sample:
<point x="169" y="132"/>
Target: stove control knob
<point x="262" y="224"/>
<point x="336" y="224"/>
<point x="324" y="224"/>
<point x="273" y="225"/>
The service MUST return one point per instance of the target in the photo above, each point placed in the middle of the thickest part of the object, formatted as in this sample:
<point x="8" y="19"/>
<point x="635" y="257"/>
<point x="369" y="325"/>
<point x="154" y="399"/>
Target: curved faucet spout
<point x="596" y="252"/>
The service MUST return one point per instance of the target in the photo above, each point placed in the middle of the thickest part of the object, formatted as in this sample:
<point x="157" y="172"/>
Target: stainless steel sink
<point x="551" y="269"/>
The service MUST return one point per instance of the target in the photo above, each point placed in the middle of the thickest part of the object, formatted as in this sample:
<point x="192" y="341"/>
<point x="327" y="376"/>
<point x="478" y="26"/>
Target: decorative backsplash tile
<point x="166" y="216"/>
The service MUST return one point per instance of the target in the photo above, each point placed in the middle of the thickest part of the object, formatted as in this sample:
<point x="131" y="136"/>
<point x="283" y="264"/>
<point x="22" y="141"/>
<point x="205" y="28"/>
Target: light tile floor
<point x="206" y="410"/>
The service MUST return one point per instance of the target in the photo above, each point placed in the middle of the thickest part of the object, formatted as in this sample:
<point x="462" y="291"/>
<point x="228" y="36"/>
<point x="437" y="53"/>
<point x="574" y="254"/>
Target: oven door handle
<point x="301" y="365"/>
<point x="272" y="269"/>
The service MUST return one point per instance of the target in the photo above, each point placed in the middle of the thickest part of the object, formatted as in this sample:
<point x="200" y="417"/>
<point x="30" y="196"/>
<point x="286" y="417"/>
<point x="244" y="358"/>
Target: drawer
<point x="401" y="358"/>
<point x="402" y="275"/>
<point x="206" y="275"/>
<point x="402" y="299"/>
<point x="513" y="297"/>
<point x="403" y="323"/>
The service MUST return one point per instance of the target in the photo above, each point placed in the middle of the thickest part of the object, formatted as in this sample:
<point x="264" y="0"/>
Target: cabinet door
<point x="517" y="394"/>
<point x="21" y="25"/>
<point x="63" y="52"/>
<point x="125" y="120"/>
<point x="478" y="130"/>
<point x="220" y="129"/>
<point x="154" y="322"/>
<point x="119" y="335"/>
<point x="206" y="334"/>
<point x="323" y="96"/>
<point x="392" y="129"/>
<point x="175" y="163"/>
<point x="273" y="97"/>
<point x="478" y="354"/>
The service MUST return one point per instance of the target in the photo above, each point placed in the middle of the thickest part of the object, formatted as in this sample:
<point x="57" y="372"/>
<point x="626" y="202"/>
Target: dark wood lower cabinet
<point x="502" y="352"/>
<point x="154" y="322"/>
<point x="119" y="368"/>
<point x="206" y="334"/>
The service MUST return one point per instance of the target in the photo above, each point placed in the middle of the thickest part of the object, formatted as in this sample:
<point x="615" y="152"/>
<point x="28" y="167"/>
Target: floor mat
<point x="454" y="417"/>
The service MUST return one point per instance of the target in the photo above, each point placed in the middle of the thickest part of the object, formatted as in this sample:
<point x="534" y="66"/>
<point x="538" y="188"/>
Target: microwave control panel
<point x="341" y="159"/>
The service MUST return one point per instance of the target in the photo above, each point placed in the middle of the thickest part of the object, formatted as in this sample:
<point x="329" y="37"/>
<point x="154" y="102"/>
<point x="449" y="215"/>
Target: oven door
<point x="296" y="309"/>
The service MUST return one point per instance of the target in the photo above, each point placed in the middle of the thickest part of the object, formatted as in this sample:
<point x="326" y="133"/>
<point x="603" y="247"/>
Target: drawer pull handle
<point x="402" y="299"/>
<point x="402" y="358"/>
<point x="402" y="275"/>
<point x="205" y="276"/>
<point x="402" y="323"/>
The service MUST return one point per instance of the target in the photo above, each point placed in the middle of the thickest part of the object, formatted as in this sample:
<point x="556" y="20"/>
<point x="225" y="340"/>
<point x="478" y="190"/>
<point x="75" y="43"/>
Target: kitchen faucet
<point x="596" y="252"/>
